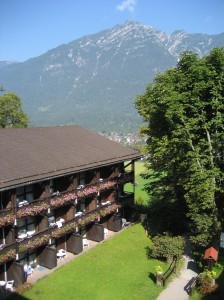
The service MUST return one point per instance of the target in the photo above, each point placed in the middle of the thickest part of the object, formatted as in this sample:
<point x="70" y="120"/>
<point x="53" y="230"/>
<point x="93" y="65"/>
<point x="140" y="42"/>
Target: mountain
<point x="93" y="81"/>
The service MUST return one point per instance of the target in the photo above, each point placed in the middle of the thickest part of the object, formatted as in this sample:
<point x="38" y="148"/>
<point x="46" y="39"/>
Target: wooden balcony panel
<point x="87" y="190"/>
<point x="108" y="184"/>
<point x="125" y="177"/>
<point x="35" y="241"/>
<point x="63" y="198"/>
<point x="7" y="253"/>
<point x="6" y="217"/>
<point x="5" y="212"/>
<point x="33" y="208"/>
<point x="127" y="198"/>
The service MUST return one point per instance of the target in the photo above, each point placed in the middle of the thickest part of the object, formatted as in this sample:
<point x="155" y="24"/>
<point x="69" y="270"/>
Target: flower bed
<point x="11" y="254"/>
<point x="86" y="191"/>
<point x="109" y="209"/>
<point x="32" y="210"/>
<point x="64" y="230"/>
<point x="63" y="199"/>
<point x="108" y="184"/>
<point x="88" y="219"/>
<point x="7" y="220"/>
<point x="35" y="243"/>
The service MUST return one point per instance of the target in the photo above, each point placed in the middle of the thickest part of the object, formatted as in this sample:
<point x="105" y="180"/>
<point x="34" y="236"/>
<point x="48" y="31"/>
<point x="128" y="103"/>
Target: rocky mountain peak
<point x="93" y="81"/>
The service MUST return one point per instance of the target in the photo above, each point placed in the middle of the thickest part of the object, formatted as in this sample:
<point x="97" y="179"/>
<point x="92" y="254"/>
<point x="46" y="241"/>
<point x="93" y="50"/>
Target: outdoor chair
<point x="124" y="221"/>
<point x="85" y="242"/>
<point x="61" y="253"/>
<point x="105" y="233"/>
<point x="9" y="285"/>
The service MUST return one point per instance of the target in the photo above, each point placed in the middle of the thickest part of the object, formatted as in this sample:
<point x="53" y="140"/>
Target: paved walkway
<point x="177" y="288"/>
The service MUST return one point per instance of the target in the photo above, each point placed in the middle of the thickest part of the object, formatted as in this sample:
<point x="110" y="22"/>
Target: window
<point x="81" y="178"/>
<point x="26" y="227"/>
<point x="25" y="193"/>
<point x="51" y="220"/>
<point x="81" y="206"/>
<point x="52" y="187"/>
<point x="29" y="259"/>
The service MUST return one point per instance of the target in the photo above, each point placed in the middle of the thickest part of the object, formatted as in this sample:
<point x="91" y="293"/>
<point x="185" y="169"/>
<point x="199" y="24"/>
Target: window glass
<point x="51" y="186"/>
<point x="29" y="197"/>
<point x="81" y="178"/>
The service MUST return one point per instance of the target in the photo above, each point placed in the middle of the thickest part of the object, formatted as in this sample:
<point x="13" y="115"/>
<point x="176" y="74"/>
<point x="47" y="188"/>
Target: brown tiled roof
<point x="32" y="154"/>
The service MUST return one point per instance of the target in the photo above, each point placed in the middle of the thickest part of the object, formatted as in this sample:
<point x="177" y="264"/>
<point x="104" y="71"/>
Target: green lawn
<point x="116" y="269"/>
<point x="140" y="194"/>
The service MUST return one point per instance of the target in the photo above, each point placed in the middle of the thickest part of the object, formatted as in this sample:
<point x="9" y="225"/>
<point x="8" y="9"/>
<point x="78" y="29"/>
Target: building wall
<point x="61" y="199"/>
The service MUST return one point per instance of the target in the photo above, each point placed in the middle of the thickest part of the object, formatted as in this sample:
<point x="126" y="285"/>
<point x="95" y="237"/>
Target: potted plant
<point x="159" y="269"/>
<point x="159" y="275"/>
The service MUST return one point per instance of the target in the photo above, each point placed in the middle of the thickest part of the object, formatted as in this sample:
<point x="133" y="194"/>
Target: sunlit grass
<point x="116" y="269"/>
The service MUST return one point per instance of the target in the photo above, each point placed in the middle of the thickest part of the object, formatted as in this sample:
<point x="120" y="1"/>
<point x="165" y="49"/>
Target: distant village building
<point x="60" y="187"/>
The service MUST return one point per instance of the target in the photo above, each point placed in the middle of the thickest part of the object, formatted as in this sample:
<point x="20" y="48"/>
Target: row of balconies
<point x="9" y="252"/>
<point x="36" y="207"/>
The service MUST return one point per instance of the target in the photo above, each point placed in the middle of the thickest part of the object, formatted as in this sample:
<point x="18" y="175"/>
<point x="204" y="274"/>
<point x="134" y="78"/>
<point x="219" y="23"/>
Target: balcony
<point x="126" y="199"/>
<point x="125" y="177"/>
<point x="87" y="190"/>
<point x="108" y="184"/>
<point x="85" y="219"/>
<point x="7" y="253"/>
<point x="58" y="199"/>
<point x="6" y="217"/>
<point x="35" y="241"/>
<point x="108" y="209"/>
<point x="33" y="208"/>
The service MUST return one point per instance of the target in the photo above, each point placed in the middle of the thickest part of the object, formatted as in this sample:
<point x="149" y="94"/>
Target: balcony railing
<point x="63" y="198"/>
<point x="6" y="217"/>
<point x="7" y="253"/>
<point x="87" y="190"/>
<point x="35" y="241"/>
<point x="108" y="209"/>
<point x="33" y="209"/>
<point x="126" y="198"/>
<point x="59" y="199"/>
<point x="125" y="177"/>
<point x="42" y="238"/>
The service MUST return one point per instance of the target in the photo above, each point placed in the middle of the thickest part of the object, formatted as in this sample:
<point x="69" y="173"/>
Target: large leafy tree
<point x="11" y="113"/>
<point x="184" y="113"/>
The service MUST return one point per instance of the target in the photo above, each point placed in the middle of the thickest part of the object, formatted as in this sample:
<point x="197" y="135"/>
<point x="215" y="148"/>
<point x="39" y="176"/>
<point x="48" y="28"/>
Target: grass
<point x="140" y="194"/>
<point x="116" y="269"/>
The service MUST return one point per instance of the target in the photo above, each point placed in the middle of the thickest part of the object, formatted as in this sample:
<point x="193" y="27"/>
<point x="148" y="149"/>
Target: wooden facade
<point x="40" y="217"/>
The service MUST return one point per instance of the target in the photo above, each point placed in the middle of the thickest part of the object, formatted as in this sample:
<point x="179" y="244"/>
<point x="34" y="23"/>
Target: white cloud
<point x="127" y="4"/>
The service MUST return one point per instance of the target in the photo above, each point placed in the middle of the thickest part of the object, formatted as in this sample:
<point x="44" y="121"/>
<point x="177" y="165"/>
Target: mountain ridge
<point x="93" y="80"/>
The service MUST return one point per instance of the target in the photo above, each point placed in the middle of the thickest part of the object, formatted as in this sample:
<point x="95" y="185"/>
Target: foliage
<point x="7" y="220"/>
<point x="184" y="113"/>
<point x="165" y="246"/>
<point x="159" y="268"/>
<point x="34" y="243"/>
<point x="206" y="282"/>
<point x="9" y="255"/>
<point x="32" y="210"/>
<point x="11" y="114"/>
<point x="117" y="268"/>
<point x="24" y="287"/>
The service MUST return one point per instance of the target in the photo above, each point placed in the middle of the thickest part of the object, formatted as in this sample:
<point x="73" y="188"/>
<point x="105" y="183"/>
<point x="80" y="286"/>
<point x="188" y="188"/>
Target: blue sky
<point x="29" y="28"/>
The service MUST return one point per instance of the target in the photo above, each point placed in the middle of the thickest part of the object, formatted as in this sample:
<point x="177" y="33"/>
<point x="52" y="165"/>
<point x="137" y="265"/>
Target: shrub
<point x="166" y="247"/>
<point x="207" y="283"/>
<point x="23" y="288"/>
